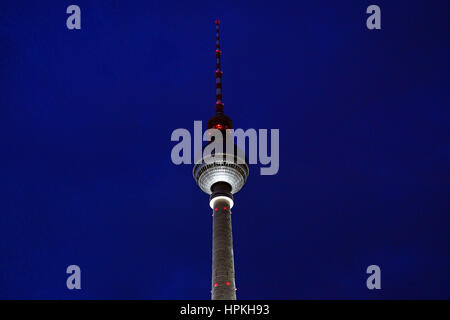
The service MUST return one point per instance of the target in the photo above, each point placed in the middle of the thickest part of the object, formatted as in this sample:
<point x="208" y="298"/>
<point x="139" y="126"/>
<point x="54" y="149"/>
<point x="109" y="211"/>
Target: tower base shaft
<point x="223" y="281"/>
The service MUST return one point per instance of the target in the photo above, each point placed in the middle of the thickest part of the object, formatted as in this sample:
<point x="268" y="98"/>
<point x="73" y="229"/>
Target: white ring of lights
<point x="213" y="200"/>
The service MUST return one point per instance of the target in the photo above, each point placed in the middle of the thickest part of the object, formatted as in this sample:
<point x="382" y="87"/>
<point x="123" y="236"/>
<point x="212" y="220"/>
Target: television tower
<point x="222" y="176"/>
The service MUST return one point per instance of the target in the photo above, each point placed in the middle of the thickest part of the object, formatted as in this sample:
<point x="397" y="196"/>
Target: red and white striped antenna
<point x="219" y="121"/>
<point x="219" y="103"/>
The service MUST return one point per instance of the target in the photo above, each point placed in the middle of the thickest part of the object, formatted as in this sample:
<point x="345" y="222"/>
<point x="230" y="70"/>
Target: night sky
<point x="86" y="176"/>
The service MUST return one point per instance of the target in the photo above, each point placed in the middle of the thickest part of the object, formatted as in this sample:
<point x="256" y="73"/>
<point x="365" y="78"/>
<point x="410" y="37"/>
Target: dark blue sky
<point x="86" y="176"/>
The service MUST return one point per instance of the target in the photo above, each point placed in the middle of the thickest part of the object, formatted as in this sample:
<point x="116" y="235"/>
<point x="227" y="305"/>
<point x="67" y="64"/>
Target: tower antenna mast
<point x="219" y="73"/>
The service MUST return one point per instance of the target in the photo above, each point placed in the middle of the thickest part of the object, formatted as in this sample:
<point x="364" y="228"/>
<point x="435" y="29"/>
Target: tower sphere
<point x="231" y="168"/>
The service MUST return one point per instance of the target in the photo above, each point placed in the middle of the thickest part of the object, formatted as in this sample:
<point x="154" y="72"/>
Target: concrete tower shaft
<point x="223" y="280"/>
